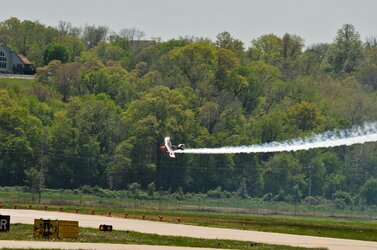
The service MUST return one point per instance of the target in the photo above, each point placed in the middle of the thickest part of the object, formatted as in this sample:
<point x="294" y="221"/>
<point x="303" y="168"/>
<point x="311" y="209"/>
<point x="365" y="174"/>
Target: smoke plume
<point x="329" y="139"/>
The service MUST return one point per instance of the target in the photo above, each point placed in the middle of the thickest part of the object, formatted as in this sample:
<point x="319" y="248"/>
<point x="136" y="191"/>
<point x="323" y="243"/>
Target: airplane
<point x="170" y="148"/>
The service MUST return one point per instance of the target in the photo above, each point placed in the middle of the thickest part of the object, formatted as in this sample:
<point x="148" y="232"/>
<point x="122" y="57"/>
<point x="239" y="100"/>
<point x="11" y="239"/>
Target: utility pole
<point x="42" y="167"/>
<point x="310" y="185"/>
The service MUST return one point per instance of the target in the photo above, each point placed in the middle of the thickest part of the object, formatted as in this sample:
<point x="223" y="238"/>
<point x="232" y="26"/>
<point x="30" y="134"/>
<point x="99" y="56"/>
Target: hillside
<point x="100" y="106"/>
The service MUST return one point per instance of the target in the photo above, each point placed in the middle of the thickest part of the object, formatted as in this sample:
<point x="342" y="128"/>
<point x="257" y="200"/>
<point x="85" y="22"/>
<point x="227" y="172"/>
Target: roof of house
<point x="24" y="59"/>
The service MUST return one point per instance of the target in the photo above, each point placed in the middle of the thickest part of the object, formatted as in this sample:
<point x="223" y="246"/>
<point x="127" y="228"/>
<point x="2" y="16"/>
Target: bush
<point x="56" y="52"/>
<point x="134" y="189"/>
<point x="151" y="189"/>
<point x="280" y="196"/>
<point x="340" y="203"/>
<point x="267" y="197"/>
<point x="369" y="191"/>
<point x="179" y="195"/>
<point x="86" y="189"/>
<point x="215" y="193"/>
<point x="242" y="191"/>
<point x="346" y="197"/>
<point x="312" y="200"/>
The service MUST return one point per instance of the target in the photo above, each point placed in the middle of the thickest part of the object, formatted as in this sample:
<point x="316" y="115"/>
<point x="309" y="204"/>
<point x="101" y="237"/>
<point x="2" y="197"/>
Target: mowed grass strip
<point x="18" y="83"/>
<point x="25" y="232"/>
<point x="313" y="226"/>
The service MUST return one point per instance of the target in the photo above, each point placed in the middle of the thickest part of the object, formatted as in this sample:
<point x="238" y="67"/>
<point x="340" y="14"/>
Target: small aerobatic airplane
<point x="170" y="148"/>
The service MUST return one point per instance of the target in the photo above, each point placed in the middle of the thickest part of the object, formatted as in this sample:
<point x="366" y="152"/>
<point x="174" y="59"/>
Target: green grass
<point x="314" y="226"/>
<point x="24" y="232"/>
<point x="26" y="87"/>
<point x="349" y="228"/>
<point x="16" y="82"/>
<point x="224" y="205"/>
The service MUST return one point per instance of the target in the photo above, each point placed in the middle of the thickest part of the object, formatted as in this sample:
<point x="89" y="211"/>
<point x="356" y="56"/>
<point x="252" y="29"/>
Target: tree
<point x="269" y="47"/>
<point x="368" y="76"/>
<point x="132" y="34"/>
<point x="242" y="190"/>
<point x="66" y="28"/>
<point x="227" y="72"/>
<point x="67" y="80"/>
<point x="27" y="37"/>
<point x="282" y="172"/>
<point x="193" y="65"/>
<point x="304" y="115"/>
<point x="107" y="52"/>
<point x="312" y="60"/>
<point x="260" y="76"/>
<point x="109" y="80"/>
<point x="20" y="141"/>
<point x="94" y="34"/>
<point x="291" y="51"/>
<point x="369" y="191"/>
<point x="74" y="45"/>
<point x="60" y="171"/>
<point x="292" y="46"/>
<point x="84" y="140"/>
<point x="226" y="41"/>
<point x="267" y="128"/>
<point x="346" y="51"/>
<point x="56" y="52"/>
<point x="159" y="112"/>
<point x="119" y="171"/>
<point x="208" y="115"/>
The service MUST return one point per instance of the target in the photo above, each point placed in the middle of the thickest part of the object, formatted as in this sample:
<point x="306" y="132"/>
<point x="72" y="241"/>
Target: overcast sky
<point x="316" y="21"/>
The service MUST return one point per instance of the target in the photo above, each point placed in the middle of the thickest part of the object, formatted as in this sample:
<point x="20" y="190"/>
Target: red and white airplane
<point x="169" y="148"/>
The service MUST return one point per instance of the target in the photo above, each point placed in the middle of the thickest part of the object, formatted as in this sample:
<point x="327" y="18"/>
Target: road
<point x="162" y="228"/>
<point x="15" y="76"/>
<point x="92" y="246"/>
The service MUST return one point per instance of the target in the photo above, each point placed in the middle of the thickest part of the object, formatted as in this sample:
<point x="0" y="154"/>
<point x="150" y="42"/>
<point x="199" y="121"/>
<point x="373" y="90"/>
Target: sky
<point x="316" y="21"/>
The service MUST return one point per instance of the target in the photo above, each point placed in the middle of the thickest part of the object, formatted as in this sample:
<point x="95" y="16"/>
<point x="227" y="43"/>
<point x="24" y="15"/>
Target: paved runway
<point x="161" y="228"/>
<point x="92" y="246"/>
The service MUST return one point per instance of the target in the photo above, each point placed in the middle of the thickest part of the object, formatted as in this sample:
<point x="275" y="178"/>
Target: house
<point x="13" y="63"/>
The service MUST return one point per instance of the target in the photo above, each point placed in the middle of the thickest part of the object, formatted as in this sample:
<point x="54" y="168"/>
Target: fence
<point x="193" y="203"/>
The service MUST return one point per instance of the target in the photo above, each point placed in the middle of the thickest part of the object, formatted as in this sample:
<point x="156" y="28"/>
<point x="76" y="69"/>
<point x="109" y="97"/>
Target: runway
<point x="162" y="228"/>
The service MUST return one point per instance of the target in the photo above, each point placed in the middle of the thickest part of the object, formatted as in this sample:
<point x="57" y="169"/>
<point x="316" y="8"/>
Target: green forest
<point x="102" y="102"/>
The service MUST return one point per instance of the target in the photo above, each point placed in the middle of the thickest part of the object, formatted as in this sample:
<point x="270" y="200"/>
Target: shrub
<point x="267" y="197"/>
<point x="346" y="197"/>
<point x="369" y="191"/>
<point x="280" y="196"/>
<point x="215" y="193"/>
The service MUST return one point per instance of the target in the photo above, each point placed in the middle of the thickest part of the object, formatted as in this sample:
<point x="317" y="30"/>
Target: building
<point x="13" y="63"/>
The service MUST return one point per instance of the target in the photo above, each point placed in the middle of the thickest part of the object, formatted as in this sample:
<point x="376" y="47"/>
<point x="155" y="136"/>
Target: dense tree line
<point x="103" y="102"/>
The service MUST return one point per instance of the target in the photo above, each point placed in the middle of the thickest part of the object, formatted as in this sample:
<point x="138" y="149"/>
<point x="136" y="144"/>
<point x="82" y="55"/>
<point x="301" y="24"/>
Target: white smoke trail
<point x="346" y="137"/>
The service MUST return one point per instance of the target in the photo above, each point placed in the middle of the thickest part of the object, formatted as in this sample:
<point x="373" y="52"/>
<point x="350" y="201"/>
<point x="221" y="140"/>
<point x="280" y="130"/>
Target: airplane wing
<point x="169" y="147"/>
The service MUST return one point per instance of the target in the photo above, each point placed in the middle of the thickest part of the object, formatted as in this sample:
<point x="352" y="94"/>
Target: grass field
<point x="325" y="227"/>
<point x="21" y="83"/>
<point x="198" y="213"/>
<point x="111" y="199"/>
<point x="24" y="232"/>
